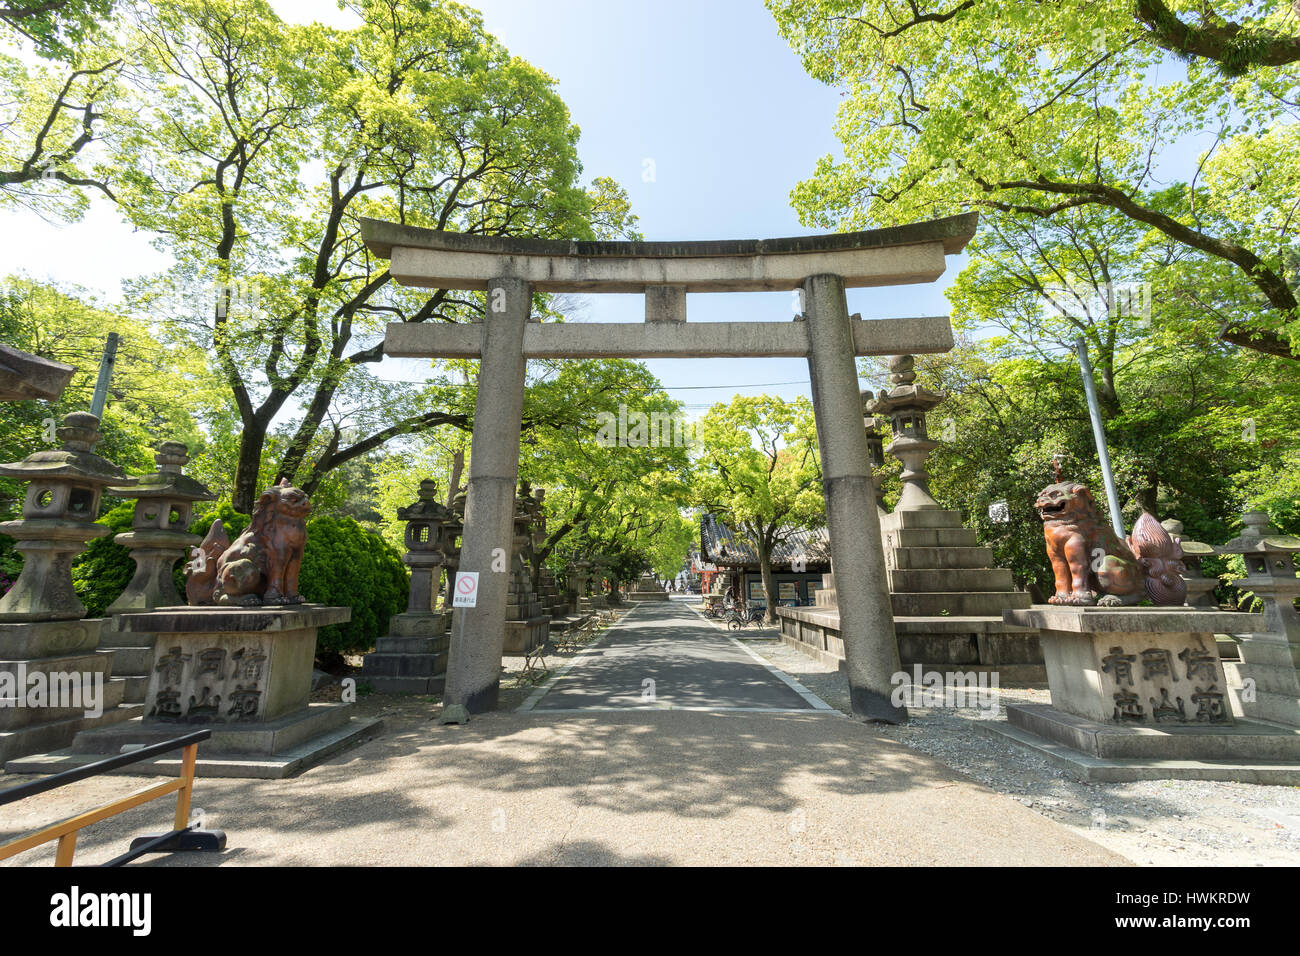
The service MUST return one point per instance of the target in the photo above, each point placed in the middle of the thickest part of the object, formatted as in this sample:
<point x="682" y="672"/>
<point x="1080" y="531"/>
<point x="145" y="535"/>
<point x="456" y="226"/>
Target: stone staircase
<point x="132" y="659"/>
<point x="1270" y="663"/>
<point x="947" y="600"/>
<point x="412" y="658"/>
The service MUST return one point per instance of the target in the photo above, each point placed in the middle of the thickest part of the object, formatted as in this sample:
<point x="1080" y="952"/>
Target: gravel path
<point x="1154" y="822"/>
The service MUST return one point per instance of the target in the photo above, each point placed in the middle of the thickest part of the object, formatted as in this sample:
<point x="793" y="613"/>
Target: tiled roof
<point x="721" y="546"/>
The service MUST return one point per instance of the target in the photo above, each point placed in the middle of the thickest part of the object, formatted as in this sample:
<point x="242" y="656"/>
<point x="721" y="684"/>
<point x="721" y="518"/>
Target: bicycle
<point x="744" y="616"/>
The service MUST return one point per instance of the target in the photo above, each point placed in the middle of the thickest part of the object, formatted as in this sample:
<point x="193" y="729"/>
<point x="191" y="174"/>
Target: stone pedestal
<point x="1145" y="684"/>
<point x="412" y="658"/>
<point x="244" y="673"/>
<point x="527" y="624"/>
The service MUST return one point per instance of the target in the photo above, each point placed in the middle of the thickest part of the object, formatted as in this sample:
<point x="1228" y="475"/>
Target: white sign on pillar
<point x="466" y="589"/>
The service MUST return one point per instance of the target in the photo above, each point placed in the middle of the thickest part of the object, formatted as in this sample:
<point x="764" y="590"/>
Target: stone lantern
<point x="59" y="511"/>
<point x="158" y="537"/>
<point x="425" y="539"/>
<point x="451" y="532"/>
<point x="875" y="449"/>
<point x="42" y="626"/>
<point x="412" y="657"/>
<point x="1266" y="685"/>
<point x="579" y="578"/>
<point x="906" y="404"/>
<point x="527" y="622"/>
<point x="1200" y="589"/>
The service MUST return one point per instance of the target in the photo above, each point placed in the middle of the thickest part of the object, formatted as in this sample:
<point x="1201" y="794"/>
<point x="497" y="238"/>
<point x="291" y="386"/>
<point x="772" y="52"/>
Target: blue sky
<point x="711" y="94"/>
<point x="706" y="90"/>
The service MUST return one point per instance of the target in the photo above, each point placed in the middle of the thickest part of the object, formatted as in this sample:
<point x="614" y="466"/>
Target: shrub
<point x="346" y="565"/>
<point x="105" y="568"/>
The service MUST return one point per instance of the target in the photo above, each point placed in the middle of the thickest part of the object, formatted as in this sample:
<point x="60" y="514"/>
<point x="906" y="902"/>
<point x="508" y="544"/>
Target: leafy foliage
<point x="1040" y="109"/>
<point x="346" y="566"/>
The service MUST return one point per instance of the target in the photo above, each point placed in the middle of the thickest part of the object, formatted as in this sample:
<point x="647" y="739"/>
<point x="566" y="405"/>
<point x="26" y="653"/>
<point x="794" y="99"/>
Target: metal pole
<point x="105" y="374"/>
<point x="1099" y="436"/>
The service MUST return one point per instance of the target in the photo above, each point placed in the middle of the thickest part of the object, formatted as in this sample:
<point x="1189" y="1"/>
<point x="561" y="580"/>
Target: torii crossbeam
<point x="822" y="267"/>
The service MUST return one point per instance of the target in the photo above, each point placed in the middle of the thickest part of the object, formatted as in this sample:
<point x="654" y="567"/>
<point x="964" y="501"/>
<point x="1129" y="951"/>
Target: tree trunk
<point x="251" y="442"/>
<point x="769" y="580"/>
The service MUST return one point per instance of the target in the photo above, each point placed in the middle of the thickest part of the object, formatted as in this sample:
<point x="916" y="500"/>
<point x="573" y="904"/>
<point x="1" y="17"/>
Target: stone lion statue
<point x="1093" y="566"/>
<point x="261" y="567"/>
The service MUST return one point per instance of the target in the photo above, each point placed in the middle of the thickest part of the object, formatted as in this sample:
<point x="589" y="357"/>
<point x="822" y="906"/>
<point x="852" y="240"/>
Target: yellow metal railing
<point x="66" y="831"/>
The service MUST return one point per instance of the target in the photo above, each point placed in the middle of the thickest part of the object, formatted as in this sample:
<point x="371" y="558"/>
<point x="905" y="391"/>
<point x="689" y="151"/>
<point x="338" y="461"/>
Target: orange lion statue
<point x="261" y="567"/>
<point x="1092" y="565"/>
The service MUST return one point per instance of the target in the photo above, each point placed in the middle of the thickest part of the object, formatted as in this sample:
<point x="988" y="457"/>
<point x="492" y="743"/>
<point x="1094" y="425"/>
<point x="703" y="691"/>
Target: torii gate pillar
<point x="478" y="633"/>
<point x="857" y="556"/>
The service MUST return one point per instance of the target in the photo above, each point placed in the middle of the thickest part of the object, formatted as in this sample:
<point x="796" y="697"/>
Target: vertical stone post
<point x="478" y="633"/>
<point x="866" y="616"/>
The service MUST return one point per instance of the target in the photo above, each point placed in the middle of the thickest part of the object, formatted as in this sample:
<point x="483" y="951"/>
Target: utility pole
<point x="1099" y="436"/>
<point x="105" y="374"/>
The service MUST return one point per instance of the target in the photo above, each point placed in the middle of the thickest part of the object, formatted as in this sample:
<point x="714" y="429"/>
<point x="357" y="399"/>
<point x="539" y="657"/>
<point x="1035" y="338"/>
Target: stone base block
<point x="423" y="686"/>
<point x="32" y="639"/>
<point x="56" y="734"/>
<point x="1140" y="667"/>
<point x="407" y="665"/>
<point x="413" y="645"/>
<point x="272" y="750"/>
<point x="524" y="636"/>
<point x="70" y="680"/>
<point x="1244" y="740"/>
<point x="435" y="624"/>
<point x="239" y="665"/>
<point x="969" y="643"/>
<point x="1091" y="769"/>
<point x="647" y="595"/>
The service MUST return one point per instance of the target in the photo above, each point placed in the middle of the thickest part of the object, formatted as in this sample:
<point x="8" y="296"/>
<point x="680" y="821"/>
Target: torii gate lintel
<point x="821" y="267"/>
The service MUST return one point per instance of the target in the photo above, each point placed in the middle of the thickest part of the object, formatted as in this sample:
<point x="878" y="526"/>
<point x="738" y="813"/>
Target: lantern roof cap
<point x="1259" y="535"/>
<point x="428" y="507"/>
<point x="168" y="481"/>
<point x="74" y="460"/>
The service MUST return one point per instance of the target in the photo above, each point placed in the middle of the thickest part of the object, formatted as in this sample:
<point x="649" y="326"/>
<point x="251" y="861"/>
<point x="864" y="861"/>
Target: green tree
<point x="55" y="27"/>
<point x="758" y="470"/>
<point x="159" y="391"/>
<point x="1040" y="109"/>
<point x="252" y="148"/>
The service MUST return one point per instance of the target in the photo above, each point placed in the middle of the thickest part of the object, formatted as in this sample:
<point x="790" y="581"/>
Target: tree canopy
<point x="1043" y="109"/>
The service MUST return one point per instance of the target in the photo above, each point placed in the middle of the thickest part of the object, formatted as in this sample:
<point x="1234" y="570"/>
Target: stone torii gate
<point x="821" y="267"/>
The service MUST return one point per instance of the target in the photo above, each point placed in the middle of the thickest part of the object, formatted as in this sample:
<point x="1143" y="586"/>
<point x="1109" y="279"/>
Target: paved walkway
<point x="664" y="656"/>
<point x="757" y="775"/>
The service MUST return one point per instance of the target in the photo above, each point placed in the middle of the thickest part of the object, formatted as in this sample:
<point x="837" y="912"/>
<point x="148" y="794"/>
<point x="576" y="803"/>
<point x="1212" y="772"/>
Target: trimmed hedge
<point x="104" y="569"/>
<point x="347" y="566"/>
